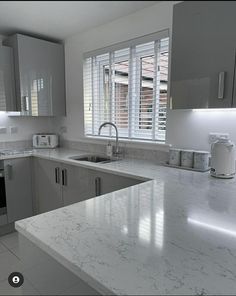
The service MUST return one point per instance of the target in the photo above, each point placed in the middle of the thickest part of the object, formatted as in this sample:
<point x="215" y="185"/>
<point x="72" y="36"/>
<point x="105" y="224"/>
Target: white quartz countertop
<point x="174" y="235"/>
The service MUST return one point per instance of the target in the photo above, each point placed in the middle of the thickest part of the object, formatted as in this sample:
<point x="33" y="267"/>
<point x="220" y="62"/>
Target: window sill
<point x="162" y="146"/>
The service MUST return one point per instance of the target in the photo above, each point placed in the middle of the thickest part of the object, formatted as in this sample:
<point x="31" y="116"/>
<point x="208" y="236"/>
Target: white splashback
<point x="190" y="129"/>
<point x="26" y="127"/>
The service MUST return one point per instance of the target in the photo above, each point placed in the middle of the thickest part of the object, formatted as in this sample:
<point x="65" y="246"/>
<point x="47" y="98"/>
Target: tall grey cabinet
<point x="18" y="188"/>
<point x="203" y="54"/>
<point x="7" y="82"/>
<point x="39" y="75"/>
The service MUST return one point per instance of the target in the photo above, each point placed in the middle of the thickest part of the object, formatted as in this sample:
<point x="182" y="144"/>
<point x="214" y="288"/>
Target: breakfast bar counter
<point x="174" y="234"/>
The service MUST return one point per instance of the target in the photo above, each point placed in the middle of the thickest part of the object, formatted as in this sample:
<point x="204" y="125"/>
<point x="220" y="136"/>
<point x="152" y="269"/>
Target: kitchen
<point x="127" y="210"/>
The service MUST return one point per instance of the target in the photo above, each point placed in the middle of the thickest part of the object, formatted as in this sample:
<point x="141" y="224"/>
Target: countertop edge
<point x="62" y="260"/>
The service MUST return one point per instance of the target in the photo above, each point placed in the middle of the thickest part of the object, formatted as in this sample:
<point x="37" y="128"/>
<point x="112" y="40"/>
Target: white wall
<point x="26" y="126"/>
<point x="146" y="21"/>
<point x="184" y="128"/>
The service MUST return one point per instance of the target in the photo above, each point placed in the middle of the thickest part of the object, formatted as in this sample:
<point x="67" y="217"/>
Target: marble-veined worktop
<point x="175" y="234"/>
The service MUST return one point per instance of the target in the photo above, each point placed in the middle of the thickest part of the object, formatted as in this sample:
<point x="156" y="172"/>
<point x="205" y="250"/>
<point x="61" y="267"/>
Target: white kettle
<point x="223" y="159"/>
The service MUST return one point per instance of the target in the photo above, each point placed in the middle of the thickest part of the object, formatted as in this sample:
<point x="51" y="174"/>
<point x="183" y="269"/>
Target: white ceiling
<point x="60" y="19"/>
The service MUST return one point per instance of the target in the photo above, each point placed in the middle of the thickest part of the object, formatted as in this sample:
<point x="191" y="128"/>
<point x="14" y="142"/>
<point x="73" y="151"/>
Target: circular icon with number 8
<point x="16" y="279"/>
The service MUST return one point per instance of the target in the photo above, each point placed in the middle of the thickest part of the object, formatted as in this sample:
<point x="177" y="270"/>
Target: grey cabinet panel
<point x="78" y="185"/>
<point x="110" y="182"/>
<point x="203" y="46"/>
<point x="7" y="82"/>
<point x="75" y="184"/>
<point x="47" y="192"/>
<point x="40" y="76"/>
<point x="18" y="188"/>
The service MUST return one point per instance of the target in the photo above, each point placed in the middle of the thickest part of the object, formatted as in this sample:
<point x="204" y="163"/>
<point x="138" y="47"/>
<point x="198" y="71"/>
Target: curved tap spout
<point x="117" y="137"/>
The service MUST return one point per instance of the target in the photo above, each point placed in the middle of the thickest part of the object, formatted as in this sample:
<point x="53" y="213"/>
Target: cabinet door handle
<point x="98" y="186"/>
<point x="25" y="103"/>
<point x="9" y="172"/>
<point x="57" y="175"/>
<point x="64" y="177"/>
<point x="221" y="85"/>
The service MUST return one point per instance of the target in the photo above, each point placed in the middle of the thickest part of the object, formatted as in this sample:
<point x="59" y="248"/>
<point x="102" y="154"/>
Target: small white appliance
<point x="223" y="159"/>
<point x="45" y="141"/>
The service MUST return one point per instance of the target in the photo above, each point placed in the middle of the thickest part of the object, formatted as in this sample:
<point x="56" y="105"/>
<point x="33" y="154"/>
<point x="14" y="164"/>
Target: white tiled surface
<point x="10" y="262"/>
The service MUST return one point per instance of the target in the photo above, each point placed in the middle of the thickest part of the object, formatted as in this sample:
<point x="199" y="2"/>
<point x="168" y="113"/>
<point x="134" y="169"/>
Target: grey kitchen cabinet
<point x="109" y="182"/>
<point x="58" y="184"/>
<point x="47" y="185"/>
<point x="39" y="76"/>
<point x="7" y="82"/>
<point x="203" y="55"/>
<point x="80" y="183"/>
<point x="77" y="184"/>
<point x="18" y="185"/>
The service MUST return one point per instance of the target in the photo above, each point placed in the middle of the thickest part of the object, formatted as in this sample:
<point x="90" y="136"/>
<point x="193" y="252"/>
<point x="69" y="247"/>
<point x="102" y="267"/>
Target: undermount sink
<point x="93" y="158"/>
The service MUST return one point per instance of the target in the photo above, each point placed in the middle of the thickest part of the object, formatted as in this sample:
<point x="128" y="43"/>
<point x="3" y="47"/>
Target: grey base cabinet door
<point x="77" y="184"/>
<point x="80" y="183"/>
<point x="109" y="182"/>
<point x="47" y="188"/>
<point x="18" y="188"/>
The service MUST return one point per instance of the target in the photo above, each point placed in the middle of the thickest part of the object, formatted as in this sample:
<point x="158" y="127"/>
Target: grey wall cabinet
<point x="39" y="75"/>
<point x="18" y="188"/>
<point x="7" y="82"/>
<point x="203" y="55"/>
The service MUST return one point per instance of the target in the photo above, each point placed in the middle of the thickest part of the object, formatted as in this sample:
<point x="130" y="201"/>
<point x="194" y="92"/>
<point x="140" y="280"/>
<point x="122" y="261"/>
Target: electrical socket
<point x="213" y="137"/>
<point x="63" y="129"/>
<point x="3" y="130"/>
<point x="13" y="129"/>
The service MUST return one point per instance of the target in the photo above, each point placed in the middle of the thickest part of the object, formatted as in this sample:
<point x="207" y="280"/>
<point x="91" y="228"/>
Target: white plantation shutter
<point x="128" y="87"/>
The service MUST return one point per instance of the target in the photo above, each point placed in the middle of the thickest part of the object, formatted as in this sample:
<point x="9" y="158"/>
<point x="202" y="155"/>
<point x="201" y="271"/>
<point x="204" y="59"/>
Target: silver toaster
<point x="45" y="141"/>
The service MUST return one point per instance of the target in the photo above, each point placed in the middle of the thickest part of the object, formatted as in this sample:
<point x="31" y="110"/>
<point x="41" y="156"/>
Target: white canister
<point x="201" y="160"/>
<point x="187" y="158"/>
<point x="174" y="156"/>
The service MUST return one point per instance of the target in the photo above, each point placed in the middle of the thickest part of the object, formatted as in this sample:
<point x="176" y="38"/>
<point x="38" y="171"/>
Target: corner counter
<point x="173" y="235"/>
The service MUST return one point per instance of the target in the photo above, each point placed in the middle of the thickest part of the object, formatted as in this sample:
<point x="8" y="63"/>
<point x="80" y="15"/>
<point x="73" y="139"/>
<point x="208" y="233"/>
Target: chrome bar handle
<point x="25" y="103"/>
<point x="221" y="85"/>
<point x="97" y="186"/>
<point x="64" y="177"/>
<point x="57" y="175"/>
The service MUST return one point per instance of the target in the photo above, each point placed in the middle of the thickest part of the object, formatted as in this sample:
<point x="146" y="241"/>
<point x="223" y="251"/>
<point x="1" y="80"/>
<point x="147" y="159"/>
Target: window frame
<point x="133" y="117"/>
